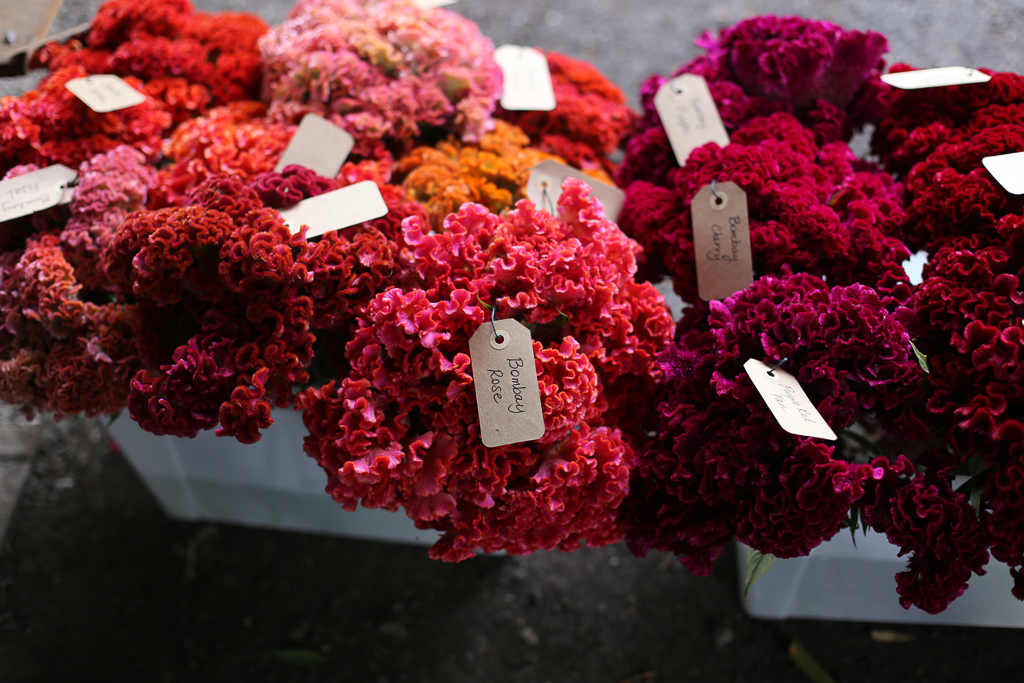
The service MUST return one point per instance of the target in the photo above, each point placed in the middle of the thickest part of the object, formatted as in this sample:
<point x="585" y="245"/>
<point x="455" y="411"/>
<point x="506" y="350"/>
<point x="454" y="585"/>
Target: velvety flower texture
<point x="590" y="119"/>
<point x="384" y="70"/>
<point x="721" y="466"/>
<point x="816" y="70"/>
<point x="400" y="429"/>
<point x="814" y="209"/>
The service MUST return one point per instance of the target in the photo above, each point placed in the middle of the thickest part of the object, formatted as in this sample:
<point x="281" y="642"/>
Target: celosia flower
<point x="384" y="70"/>
<point x="721" y="466"/>
<point x="399" y="427"/>
<point x="590" y="119"/>
<point x="827" y="76"/>
<point x="811" y="209"/>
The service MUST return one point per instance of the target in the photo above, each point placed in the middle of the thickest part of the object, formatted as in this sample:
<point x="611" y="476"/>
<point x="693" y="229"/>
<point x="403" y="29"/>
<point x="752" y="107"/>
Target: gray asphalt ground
<point x="96" y="584"/>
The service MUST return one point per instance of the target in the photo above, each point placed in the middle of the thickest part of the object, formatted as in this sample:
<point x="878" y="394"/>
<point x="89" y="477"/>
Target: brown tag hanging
<point x="336" y="210"/>
<point x="941" y="77"/>
<point x="721" y="240"/>
<point x="527" y="79"/>
<point x="35" y="191"/>
<point x="786" y="399"/>
<point x="544" y="187"/>
<point x="505" y="376"/>
<point x="105" y="93"/>
<point x="689" y="115"/>
<point x="1008" y="170"/>
<point x="319" y="145"/>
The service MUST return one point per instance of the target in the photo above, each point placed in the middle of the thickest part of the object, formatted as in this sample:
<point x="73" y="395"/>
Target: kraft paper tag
<point x="319" y="145"/>
<point x="527" y="79"/>
<point x="721" y="240"/>
<point x="1008" y="170"/>
<point x="432" y="4"/>
<point x="548" y="176"/>
<point x="35" y="191"/>
<point x="105" y="93"/>
<point x="336" y="210"/>
<point x="786" y="399"/>
<point x="505" y="377"/>
<point x="935" y="78"/>
<point x="689" y="115"/>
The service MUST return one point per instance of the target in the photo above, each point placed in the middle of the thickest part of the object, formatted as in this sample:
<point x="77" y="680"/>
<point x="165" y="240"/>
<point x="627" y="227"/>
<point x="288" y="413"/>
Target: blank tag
<point x="1008" y="170"/>
<point x="787" y="401"/>
<point x="721" y="240"/>
<point x="689" y="115"/>
<point x="336" y="210"/>
<point x="431" y="4"/>
<point x="935" y="78"/>
<point x="105" y="93"/>
<point x="548" y="175"/>
<point x="505" y="377"/>
<point x="318" y="145"/>
<point x="527" y="79"/>
<point x="35" y="191"/>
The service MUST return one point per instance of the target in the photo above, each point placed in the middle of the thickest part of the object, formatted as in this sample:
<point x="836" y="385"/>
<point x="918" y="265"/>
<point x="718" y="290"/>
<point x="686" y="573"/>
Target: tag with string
<point x="318" y="145"/>
<point x="721" y="240"/>
<point x="505" y="378"/>
<point x="544" y="187"/>
<point x="935" y="78"/>
<point x="527" y="78"/>
<point x="336" y="210"/>
<point x="689" y="115"/>
<point x="105" y="93"/>
<point x="1008" y="170"/>
<point x="36" y="191"/>
<point x="787" y="400"/>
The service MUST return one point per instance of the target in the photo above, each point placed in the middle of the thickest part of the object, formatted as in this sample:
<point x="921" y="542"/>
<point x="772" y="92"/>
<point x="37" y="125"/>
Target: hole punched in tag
<point x="501" y="338"/>
<point x="546" y="203"/>
<point x="771" y="373"/>
<point x="718" y="201"/>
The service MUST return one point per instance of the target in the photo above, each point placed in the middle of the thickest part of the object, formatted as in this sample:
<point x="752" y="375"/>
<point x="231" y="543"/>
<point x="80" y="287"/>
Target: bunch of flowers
<point x="65" y="346"/>
<point x="590" y="120"/>
<point x="384" y="70"/>
<point x="812" y="208"/>
<point x="185" y="59"/>
<point x="399" y="427"/>
<point x="826" y="76"/>
<point x="722" y="467"/>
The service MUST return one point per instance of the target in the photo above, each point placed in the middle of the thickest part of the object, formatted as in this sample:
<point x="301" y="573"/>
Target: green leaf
<point x="974" y="487"/>
<point x="922" y="359"/>
<point x="114" y="418"/>
<point x="758" y="564"/>
<point x="300" y="657"/>
<point x="808" y="664"/>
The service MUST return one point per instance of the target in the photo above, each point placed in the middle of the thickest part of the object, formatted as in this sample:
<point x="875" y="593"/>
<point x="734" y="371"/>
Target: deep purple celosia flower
<point x="721" y="466"/>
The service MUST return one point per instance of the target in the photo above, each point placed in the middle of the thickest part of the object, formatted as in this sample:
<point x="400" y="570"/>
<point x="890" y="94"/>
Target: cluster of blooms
<point x="723" y="467"/>
<point x="812" y="208"/>
<point x="590" y="120"/>
<point x="65" y="347"/>
<point x="400" y="429"/>
<point x="826" y="76"/>
<point x="384" y="70"/>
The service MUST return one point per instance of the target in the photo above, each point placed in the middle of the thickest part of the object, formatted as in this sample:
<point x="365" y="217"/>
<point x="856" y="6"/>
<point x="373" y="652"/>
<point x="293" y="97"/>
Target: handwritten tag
<point x="527" y="79"/>
<point x="689" y="115"/>
<point x="336" y="210"/>
<point x="105" y="93"/>
<point x="544" y="187"/>
<point x="319" y="145"/>
<point x="1008" y="170"/>
<point x="721" y="240"/>
<point x="935" y="78"/>
<point x="432" y="4"/>
<point x="35" y="191"/>
<point x="505" y="377"/>
<point x="786" y="399"/>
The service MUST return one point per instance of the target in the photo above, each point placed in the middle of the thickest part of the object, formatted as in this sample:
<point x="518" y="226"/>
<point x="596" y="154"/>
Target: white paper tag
<point x="336" y="210"/>
<point x="1008" y="170"/>
<point x="786" y="399"/>
<point x="527" y="79"/>
<point x="35" y="191"/>
<point x="935" y="78"/>
<point x="721" y="240"/>
<point x="431" y="4"/>
<point x="505" y="379"/>
<point x="318" y="145"/>
<point x="689" y="115"/>
<point x="105" y="93"/>
<point x="545" y="187"/>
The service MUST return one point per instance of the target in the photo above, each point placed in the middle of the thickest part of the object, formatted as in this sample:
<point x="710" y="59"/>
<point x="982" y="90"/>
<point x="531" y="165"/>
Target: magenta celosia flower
<point x="382" y="70"/>
<point x="399" y="428"/>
